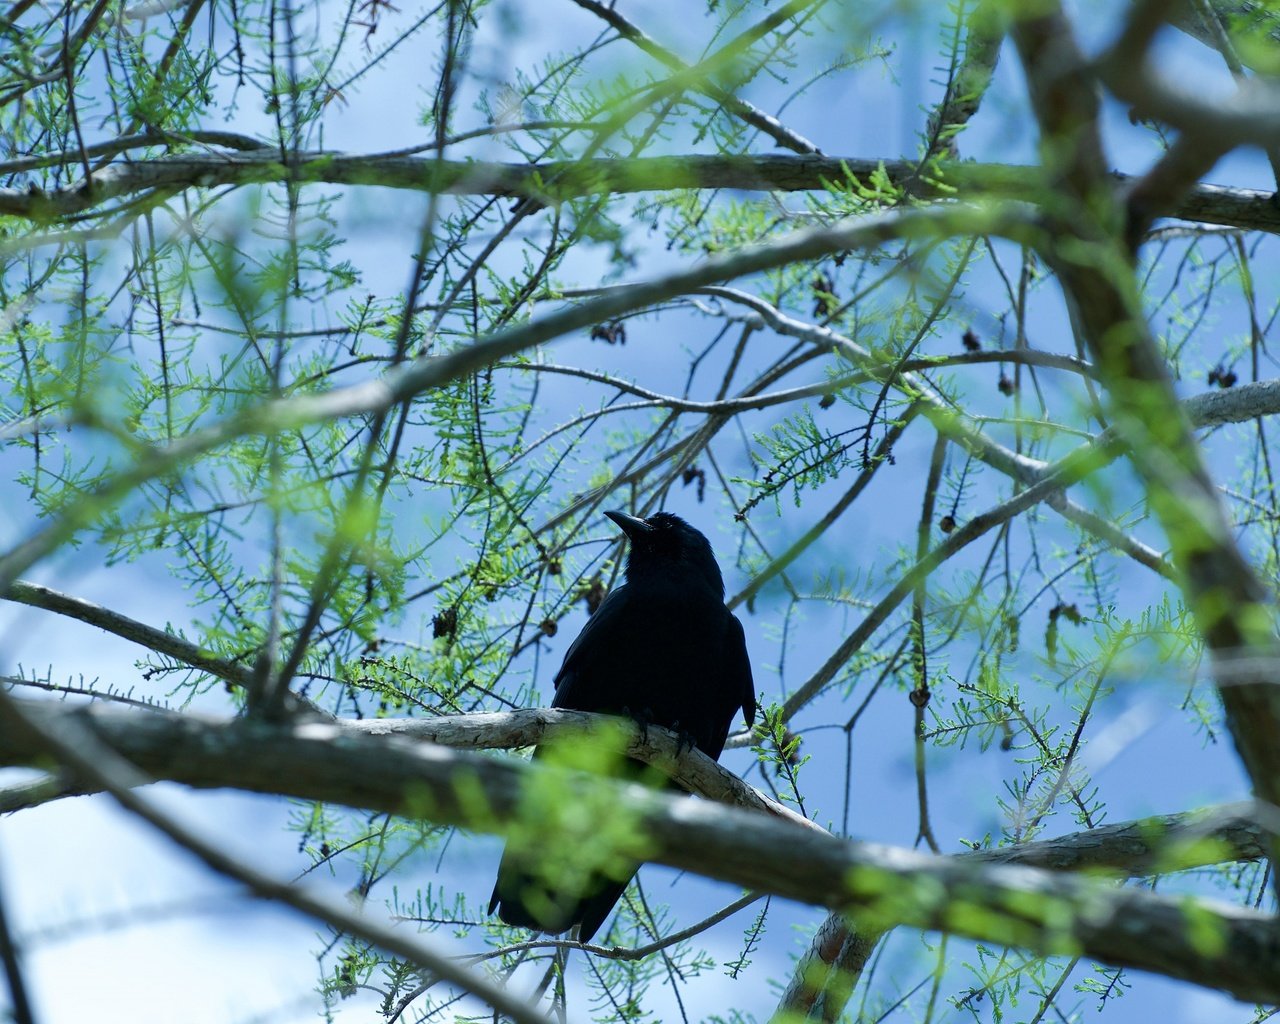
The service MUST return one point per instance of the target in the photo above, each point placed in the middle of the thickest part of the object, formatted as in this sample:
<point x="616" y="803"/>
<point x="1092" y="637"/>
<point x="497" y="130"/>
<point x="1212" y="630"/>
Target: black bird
<point x="662" y="648"/>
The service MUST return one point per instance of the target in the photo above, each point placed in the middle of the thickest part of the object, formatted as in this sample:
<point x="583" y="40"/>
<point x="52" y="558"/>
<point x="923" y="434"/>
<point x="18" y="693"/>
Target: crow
<point x="662" y="649"/>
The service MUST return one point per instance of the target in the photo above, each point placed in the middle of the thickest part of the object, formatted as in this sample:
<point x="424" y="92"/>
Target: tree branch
<point x="1089" y="253"/>
<point x="157" y="640"/>
<point x="737" y="106"/>
<point x="972" y="77"/>
<point x="72" y="740"/>
<point x="410" y="379"/>
<point x="1210" y="204"/>
<point x="826" y="975"/>
<point x="1047" y="912"/>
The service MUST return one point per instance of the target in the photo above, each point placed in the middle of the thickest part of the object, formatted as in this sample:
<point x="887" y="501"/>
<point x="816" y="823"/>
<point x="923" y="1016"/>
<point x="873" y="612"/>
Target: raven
<point x="662" y="648"/>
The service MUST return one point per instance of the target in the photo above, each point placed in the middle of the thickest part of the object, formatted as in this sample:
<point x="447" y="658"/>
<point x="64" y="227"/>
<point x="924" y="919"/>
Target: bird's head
<point x="665" y="543"/>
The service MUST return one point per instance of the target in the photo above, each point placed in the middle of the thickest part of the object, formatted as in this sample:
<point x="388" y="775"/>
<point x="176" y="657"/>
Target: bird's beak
<point x="630" y="525"/>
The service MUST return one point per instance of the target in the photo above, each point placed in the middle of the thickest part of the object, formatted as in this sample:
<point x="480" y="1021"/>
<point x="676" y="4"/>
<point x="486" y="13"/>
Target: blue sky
<point x="229" y="959"/>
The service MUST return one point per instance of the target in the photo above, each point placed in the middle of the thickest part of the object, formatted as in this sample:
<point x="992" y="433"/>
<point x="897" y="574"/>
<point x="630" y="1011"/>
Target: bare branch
<point x="741" y="108"/>
<point x="659" y="747"/>
<point x="9" y="955"/>
<point x="826" y="975"/>
<point x="157" y="640"/>
<point x="1252" y="116"/>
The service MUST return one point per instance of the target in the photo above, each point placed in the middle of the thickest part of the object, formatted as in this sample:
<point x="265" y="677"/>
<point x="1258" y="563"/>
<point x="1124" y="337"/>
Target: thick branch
<point x="1092" y="262"/>
<point x="1251" y="117"/>
<point x="1047" y="912"/>
<point x="69" y="739"/>
<point x="826" y="975"/>
<point x="1249" y="18"/>
<point x="1210" y="204"/>
<point x="506" y="730"/>
<point x="965" y="91"/>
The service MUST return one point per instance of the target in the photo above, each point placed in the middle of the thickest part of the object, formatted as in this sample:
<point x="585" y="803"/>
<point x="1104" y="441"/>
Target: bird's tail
<point x="523" y="896"/>
<point x="524" y="899"/>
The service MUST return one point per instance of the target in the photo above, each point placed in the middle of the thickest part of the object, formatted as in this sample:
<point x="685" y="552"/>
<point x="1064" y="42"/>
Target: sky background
<point x="118" y="923"/>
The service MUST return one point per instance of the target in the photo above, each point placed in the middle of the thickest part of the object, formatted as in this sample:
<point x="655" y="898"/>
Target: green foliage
<point x="437" y="556"/>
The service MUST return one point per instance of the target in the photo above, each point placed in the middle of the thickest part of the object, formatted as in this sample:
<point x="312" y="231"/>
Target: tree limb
<point x="157" y="640"/>
<point x="1213" y="944"/>
<point x="1210" y="204"/>
<point x="1094" y="264"/>
<point x="72" y="741"/>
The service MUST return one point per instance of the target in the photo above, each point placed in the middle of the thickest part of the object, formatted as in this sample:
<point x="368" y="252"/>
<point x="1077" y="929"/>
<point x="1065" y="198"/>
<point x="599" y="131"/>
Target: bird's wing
<point x="600" y="627"/>
<point x="737" y="669"/>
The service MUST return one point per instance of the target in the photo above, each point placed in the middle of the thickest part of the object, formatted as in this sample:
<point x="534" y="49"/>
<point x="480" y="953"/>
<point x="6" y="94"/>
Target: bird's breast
<point x="662" y="662"/>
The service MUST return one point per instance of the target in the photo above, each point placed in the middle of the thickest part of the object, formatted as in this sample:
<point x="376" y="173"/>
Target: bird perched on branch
<point x="663" y="649"/>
